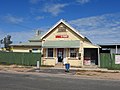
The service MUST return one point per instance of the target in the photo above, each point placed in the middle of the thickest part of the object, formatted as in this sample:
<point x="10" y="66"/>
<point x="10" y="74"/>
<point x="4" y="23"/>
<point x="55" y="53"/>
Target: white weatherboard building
<point x="62" y="44"/>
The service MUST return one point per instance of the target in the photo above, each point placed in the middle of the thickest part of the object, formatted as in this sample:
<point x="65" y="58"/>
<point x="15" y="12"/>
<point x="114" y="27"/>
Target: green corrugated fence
<point x="113" y="65"/>
<point x="107" y="60"/>
<point x="20" y="58"/>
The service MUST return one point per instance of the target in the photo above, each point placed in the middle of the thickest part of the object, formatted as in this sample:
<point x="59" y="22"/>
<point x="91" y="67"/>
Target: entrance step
<point x="59" y="65"/>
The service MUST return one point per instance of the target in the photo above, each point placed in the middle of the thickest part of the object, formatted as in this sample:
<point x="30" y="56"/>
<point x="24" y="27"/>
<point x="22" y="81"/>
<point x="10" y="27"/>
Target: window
<point x="50" y="52"/>
<point x="34" y="49"/>
<point x="73" y="52"/>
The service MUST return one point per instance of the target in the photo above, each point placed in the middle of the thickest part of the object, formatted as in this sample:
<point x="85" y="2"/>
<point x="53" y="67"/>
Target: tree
<point x="1" y="41"/>
<point x="7" y="41"/>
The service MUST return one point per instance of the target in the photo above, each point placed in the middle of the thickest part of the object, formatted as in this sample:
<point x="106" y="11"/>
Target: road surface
<point x="10" y="81"/>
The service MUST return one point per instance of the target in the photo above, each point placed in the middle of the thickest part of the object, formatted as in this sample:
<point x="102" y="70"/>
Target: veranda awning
<point x="62" y="44"/>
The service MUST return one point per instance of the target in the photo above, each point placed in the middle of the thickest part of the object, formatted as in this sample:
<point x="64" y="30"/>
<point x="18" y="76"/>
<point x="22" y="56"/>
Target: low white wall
<point x="20" y="50"/>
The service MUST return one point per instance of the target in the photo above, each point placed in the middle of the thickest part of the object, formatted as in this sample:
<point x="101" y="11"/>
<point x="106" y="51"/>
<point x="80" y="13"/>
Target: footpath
<point x="90" y="73"/>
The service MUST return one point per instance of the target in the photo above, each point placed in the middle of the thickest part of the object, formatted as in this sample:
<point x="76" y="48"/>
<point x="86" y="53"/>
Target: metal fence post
<point x="38" y="64"/>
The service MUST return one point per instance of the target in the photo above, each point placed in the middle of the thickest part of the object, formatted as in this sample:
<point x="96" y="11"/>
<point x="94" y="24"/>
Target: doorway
<point x="60" y="53"/>
<point x="90" y="56"/>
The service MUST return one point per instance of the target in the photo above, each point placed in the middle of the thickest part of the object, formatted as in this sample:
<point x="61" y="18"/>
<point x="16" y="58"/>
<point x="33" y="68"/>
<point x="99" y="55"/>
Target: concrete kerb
<point x="87" y="69"/>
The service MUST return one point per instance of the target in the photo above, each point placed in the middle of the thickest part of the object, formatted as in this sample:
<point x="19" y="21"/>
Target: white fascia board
<point x="72" y="29"/>
<point x="51" y="28"/>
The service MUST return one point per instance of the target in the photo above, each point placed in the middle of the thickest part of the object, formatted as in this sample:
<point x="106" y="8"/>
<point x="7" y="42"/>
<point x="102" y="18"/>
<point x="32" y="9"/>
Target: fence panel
<point x="115" y="66"/>
<point x="20" y="58"/>
<point x="105" y="60"/>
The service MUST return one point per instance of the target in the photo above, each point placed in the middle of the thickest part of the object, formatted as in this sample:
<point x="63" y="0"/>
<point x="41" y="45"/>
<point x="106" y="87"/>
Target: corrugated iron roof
<point x="36" y="38"/>
<point x="28" y="44"/>
<point x="108" y="44"/>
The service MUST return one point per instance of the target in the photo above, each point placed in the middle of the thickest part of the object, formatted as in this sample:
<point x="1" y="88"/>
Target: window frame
<point x="75" y="52"/>
<point x="48" y="53"/>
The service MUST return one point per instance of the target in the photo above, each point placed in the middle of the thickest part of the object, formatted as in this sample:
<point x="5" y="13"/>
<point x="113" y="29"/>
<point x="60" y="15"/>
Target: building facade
<point x="64" y="44"/>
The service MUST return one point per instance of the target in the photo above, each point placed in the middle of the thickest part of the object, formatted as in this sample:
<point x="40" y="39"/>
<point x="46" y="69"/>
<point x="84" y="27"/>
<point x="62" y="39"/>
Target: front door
<point x="60" y="54"/>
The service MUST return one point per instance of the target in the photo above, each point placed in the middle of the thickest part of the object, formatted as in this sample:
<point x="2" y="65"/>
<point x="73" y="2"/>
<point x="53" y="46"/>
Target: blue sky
<point x="99" y="20"/>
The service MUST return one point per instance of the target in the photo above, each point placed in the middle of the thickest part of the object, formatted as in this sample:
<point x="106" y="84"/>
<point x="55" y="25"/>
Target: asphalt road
<point x="45" y="82"/>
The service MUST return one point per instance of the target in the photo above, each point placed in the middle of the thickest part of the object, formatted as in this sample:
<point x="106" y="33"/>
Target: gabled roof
<point x="62" y="21"/>
<point x="36" y="38"/>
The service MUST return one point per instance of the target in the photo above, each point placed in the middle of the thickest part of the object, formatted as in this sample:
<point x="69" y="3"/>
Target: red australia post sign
<point x="61" y="36"/>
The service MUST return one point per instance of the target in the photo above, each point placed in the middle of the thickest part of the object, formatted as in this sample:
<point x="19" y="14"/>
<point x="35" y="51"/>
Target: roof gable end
<point x="65" y="23"/>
